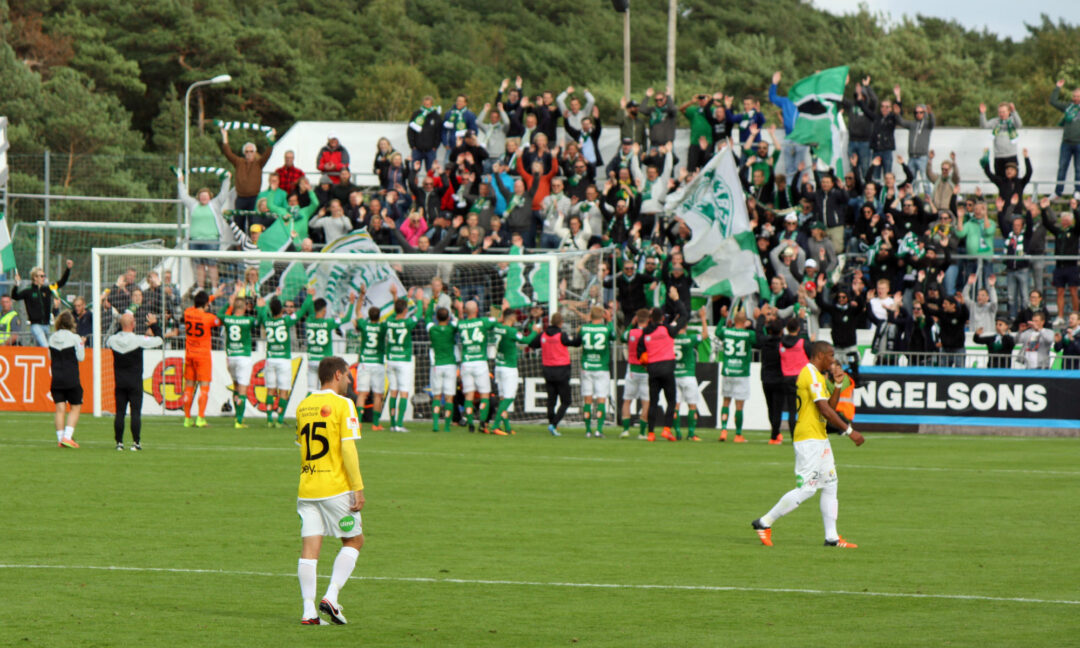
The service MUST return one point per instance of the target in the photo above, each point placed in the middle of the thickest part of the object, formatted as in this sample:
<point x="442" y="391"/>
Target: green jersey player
<point x="318" y="333"/>
<point x="596" y="338"/>
<point x="399" y="359"/>
<point x="238" y="326"/>
<point x="507" y="337"/>
<point x="473" y="335"/>
<point x="737" y="343"/>
<point x="686" y="385"/>
<point x="277" y="372"/>
<point x="442" y="332"/>
<point x="371" y="373"/>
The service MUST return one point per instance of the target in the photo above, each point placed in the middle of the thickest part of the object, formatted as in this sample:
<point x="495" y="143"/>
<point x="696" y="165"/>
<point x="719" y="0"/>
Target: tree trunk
<point x="70" y="163"/>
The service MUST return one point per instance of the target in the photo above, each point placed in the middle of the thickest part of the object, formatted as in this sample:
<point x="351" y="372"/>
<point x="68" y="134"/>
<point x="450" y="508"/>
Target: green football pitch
<point x="529" y="540"/>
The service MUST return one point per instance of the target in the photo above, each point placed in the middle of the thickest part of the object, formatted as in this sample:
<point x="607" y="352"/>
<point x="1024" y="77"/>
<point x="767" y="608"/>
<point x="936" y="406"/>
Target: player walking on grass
<point x="66" y="352"/>
<point x="277" y="372"/>
<point x="318" y="333"/>
<point x="555" y="355"/>
<point x="475" y="378"/>
<point x="686" y="384"/>
<point x="596" y="338"/>
<point x="442" y="332"/>
<point x="238" y="325"/>
<point x="507" y="338"/>
<point x="636" y="383"/>
<point x="738" y="344"/>
<point x="331" y="492"/>
<point x="656" y="350"/>
<point x="199" y="325"/>
<point x="815" y="466"/>
<point x="399" y="360"/>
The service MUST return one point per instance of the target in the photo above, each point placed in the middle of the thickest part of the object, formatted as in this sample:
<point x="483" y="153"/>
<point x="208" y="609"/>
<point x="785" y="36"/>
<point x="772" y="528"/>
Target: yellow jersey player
<point x="331" y="489"/>
<point x="815" y="468"/>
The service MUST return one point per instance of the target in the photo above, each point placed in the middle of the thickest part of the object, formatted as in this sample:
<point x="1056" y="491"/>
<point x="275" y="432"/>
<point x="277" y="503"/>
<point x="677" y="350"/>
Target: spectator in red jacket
<point x="289" y="174"/>
<point x="332" y="158"/>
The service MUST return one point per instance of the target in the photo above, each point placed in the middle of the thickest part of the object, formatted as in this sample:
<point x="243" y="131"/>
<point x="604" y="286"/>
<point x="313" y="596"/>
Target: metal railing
<point x="966" y="359"/>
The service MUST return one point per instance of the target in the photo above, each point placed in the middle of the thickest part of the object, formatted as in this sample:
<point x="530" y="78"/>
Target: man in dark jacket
<point x="630" y="290"/>
<point x="1067" y="243"/>
<point x="861" y="124"/>
<point x="425" y="132"/>
<point x="954" y="316"/>
<point x="39" y="300"/>
<point x="661" y="117"/>
<point x="885" y="121"/>
<point x="1010" y="184"/>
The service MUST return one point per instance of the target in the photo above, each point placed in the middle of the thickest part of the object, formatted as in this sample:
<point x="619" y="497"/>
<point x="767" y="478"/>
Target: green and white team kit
<point x="596" y="346"/>
<point x="738" y="348"/>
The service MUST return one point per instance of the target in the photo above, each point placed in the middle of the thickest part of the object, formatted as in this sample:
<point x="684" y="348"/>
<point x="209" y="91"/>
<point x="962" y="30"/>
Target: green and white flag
<point x="7" y="250"/>
<point x="722" y="247"/>
<point x="820" y="124"/>
<point x="539" y="278"/>
<point x="335" y="280"/>
<point x="515" y="282"/>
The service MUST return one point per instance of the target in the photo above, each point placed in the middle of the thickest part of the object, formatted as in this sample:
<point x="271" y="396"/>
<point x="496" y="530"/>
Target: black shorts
<point x="69" y="395"/>
<point x="1066" y="276"/>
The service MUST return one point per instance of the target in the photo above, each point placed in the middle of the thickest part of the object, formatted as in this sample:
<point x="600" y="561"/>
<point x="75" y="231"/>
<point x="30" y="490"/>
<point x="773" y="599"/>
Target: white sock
<point x="343" y="568"/>
<point x="830" y="506"/>
<point x="308" y="582"/>
<point x="788" y="503"/>
<point x="59" y="435"/>
<point x="68" y="431"/>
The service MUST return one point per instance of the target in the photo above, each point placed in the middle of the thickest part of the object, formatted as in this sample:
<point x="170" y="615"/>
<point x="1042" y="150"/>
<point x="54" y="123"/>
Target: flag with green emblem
<point x="820" y="124"/>
<point x="722" y="248"/>
<point x="515" y="281"/>
<point x="7" y="250"/>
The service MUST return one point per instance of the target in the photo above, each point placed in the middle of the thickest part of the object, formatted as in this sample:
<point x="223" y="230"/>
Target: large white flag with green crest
<point x="722" y="248"/>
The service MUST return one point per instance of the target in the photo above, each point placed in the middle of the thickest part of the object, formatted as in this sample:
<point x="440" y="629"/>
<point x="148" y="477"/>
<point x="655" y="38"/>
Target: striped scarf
<point x="237" y="125"/>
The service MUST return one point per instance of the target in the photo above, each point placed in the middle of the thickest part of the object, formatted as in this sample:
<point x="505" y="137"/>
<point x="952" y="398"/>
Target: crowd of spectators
<point x="890" y="244"/>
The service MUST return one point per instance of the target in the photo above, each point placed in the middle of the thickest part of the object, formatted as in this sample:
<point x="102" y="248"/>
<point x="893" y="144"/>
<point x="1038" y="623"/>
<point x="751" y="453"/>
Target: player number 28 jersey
<point x="323" y="421"/>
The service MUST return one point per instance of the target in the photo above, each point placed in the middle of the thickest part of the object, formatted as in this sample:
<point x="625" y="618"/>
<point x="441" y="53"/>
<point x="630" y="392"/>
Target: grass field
<point x="534" y="541"/>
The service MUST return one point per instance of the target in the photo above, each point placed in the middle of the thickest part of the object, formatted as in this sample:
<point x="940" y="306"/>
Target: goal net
<point x="164" y="282"/>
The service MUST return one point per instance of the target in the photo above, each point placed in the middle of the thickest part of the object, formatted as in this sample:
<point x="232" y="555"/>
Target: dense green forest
<point x="101" y="83"/>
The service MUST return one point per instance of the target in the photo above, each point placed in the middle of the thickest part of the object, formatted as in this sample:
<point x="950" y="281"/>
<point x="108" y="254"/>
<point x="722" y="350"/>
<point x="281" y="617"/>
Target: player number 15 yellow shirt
<point x="325" y="423"/>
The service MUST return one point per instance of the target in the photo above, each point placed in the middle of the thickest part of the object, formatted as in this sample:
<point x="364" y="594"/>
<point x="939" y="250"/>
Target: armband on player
<point x="848" y="431"/>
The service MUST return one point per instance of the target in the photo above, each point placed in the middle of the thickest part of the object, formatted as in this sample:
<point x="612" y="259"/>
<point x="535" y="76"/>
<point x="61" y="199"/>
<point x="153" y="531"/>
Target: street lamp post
<point x="221" y="78"/>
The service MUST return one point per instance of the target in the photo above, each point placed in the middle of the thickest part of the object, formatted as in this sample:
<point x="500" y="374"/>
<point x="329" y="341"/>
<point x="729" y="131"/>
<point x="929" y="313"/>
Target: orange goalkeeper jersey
<point x="198" y="326"/>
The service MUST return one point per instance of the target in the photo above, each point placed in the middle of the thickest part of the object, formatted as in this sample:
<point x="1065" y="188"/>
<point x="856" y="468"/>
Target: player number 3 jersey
<point x="325" y="420"/>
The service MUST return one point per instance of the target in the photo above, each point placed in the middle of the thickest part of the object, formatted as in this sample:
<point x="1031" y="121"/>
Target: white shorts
<point x="329" y="517"/>
<point x="370" y="378"/>
<point x="596" y="384"/>
<point x="737" y="387"/>
<point x="313" y="383"/>
<point x="815" y="465"/>
<point x="475" y="377"/>
<point x="400" y="373"/>
<point x="277" y="373"/>
<point x="507" y="380"/>
<point x="240" y="369"/>
<point x="444" y="380"/>
<point x="686" y="390"/>
<point x="636" y="386"/>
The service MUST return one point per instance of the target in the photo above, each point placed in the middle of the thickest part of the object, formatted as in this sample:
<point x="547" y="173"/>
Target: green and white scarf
<point x="238" y="125"/>
<point x="515" y="202"/>
<point x="657" y="115"/>
<point x="1071" y="113"/>
<point x="455" y="120"/>
<point x="417" y="124"/>
<point x="1009" y="126"/>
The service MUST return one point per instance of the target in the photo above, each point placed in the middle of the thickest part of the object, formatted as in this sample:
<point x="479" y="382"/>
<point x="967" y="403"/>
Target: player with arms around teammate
<point x="636" y="383"/>
<point x="554" y="345"/>
<point x="686" y="384"/>
<point x="331" y="492"/>
<point x="371" y="374"/>
<point x="738" y="343"/>
<point x="507" y="339"/>
<point x="473" y="333"/>
<point x="815" y="466"/>
<point x="199" y="325"/>
<point x="277" y="372"/>
<point x="238" y="325"/>
<point x="318" y="332"/>
<point x="596" y="338"/>
<point x="442" y="331"/>
<point x="399" y="359"/>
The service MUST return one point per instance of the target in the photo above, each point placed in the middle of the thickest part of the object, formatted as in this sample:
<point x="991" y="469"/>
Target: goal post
<point x="569" y="281"/>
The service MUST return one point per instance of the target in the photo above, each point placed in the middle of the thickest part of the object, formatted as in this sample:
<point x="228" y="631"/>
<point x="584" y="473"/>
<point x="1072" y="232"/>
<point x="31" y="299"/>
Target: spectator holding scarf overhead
<point x="248" y="175"/>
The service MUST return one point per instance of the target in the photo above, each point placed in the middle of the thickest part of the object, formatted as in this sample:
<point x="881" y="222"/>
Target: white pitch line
<point x="613" y="586"/>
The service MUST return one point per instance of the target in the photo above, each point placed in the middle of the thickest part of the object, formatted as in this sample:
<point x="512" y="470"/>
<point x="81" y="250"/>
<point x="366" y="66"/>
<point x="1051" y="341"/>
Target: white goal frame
<point x="97" y="255"/>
